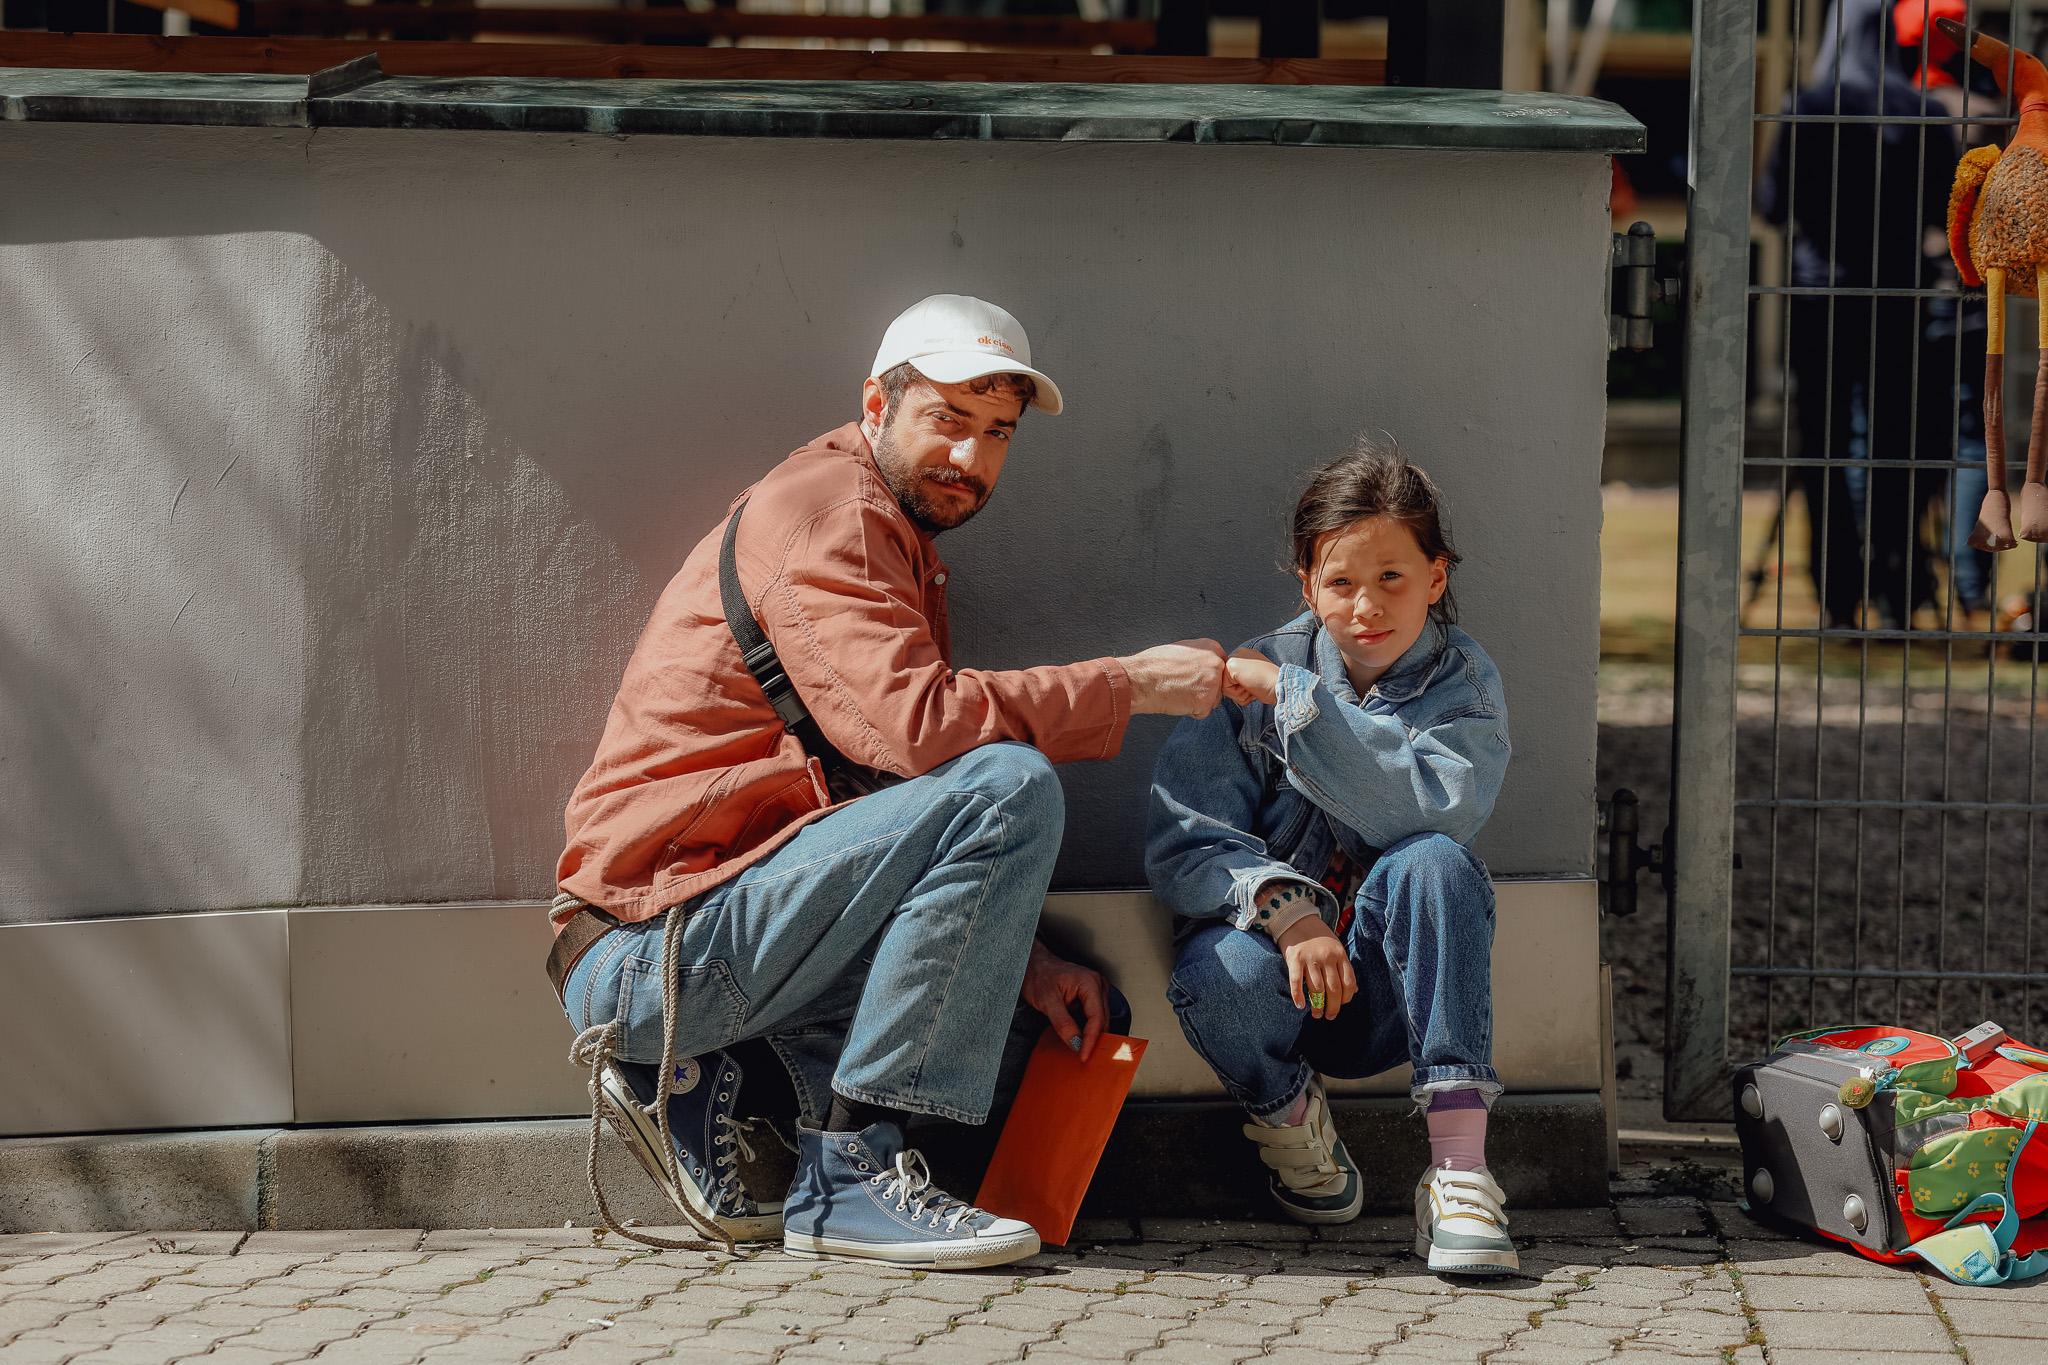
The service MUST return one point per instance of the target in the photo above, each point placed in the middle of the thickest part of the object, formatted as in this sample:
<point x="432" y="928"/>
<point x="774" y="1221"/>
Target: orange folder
<point x="1056" y="1132"/>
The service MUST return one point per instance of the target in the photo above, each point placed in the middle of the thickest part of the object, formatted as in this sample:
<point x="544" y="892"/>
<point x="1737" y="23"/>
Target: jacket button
<point x="938" y="578"/>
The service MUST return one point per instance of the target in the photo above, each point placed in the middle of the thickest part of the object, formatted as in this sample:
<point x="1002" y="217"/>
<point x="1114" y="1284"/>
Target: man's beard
<point x="931" y="511"/>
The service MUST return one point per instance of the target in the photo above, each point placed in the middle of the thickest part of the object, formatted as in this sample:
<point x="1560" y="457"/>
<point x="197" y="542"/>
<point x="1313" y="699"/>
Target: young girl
<point x="1310" y="836"/>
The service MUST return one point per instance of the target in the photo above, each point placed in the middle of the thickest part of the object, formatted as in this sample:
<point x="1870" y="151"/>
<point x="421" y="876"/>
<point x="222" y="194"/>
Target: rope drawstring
<point x="594" y="1048"/>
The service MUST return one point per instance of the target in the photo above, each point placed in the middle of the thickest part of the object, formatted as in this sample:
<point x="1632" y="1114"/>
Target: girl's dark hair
<point x="1373" y="479"/>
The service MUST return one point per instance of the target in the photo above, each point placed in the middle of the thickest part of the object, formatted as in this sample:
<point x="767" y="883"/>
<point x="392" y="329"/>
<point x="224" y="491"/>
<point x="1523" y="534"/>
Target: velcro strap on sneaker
<point x="1301" y="1155"/>
<point x="1469" y="1194"/>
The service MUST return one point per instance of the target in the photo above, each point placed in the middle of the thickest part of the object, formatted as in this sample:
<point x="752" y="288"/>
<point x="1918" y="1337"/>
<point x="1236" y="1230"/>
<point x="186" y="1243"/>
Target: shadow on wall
<point x="489" y="390"/>
<point x="464" y="633"/>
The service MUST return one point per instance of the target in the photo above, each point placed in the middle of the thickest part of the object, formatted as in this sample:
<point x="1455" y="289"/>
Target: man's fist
<point x="1180" y="679"/>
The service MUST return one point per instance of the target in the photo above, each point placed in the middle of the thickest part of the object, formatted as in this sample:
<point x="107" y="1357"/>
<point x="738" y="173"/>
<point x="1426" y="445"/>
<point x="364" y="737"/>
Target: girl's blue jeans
<point x="879" y="952"/>
<point x="1421" y="944"/>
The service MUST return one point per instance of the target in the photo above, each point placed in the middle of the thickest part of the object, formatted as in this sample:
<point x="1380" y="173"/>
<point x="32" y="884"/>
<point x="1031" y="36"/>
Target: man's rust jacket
<point x="696" y="778"/>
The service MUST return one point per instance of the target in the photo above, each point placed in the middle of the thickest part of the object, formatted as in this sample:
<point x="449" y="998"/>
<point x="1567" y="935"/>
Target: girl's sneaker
<point x="1460" y="1224"/>
<point x="862" y="1197"/>
<point x="1313" y="1179"/>
<point x="709" y="1141"/>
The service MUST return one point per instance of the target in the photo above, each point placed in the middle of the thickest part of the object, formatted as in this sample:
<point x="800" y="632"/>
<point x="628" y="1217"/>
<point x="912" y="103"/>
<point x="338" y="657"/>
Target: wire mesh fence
<point x="1888" y="702"/>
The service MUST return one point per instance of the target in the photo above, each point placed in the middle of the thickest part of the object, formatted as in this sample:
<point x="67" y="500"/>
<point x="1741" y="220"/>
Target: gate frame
<point x="1720" y="165"/>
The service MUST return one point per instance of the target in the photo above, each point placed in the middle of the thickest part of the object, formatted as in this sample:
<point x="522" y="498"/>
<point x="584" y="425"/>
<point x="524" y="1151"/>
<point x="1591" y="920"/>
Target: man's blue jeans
<point x="879" y="951"/>
<point x="1421" y="944"/>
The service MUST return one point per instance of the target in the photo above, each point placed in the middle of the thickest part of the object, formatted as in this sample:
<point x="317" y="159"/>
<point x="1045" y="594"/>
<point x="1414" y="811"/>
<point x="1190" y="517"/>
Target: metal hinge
<point x="1635" y="256"/>
<point x="1619" y="821"/>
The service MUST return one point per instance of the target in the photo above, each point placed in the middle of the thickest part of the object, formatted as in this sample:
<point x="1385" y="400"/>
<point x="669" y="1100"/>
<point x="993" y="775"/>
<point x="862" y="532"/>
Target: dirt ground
<point x="1898" y="882"/>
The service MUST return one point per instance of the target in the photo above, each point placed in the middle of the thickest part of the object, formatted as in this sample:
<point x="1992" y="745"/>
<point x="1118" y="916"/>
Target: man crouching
<point x="866" y="904"/>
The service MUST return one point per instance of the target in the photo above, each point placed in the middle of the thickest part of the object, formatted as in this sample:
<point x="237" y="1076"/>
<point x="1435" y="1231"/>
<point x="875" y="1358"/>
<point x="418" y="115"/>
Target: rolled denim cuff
<point x="1428" y="1080"/>
<point x="1266" y="1113"/>
<point x="1244" y="907"/>
<point x="1294" y="700"/>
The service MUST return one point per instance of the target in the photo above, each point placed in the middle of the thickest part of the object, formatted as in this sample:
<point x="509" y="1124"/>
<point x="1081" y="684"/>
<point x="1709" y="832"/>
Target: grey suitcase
<point x="1809" y="1154"/>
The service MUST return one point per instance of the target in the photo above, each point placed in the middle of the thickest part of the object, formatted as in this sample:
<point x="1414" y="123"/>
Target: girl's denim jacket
<point x="1237" y="796"/>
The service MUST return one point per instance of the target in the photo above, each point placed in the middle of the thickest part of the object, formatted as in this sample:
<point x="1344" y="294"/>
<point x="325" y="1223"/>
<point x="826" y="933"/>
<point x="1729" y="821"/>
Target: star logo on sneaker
<point x="688" y="1073"/>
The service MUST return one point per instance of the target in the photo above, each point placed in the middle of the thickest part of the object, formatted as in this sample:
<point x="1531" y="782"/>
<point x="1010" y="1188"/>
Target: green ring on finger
<point x="1315" y="1000"/>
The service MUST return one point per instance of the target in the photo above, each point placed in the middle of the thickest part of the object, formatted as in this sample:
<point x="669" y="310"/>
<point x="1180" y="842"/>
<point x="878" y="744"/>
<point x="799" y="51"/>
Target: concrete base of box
<point x="1166" y="1158"/>
<point x="1547" y="1151"/>
<point x="186" y="1181"/>
<point x="1191" y="1158"/>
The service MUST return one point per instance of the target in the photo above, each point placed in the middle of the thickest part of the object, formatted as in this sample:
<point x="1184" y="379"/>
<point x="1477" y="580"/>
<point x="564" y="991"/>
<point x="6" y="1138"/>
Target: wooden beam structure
<point x="219" y="13"/>
<point x="303" y="56"/>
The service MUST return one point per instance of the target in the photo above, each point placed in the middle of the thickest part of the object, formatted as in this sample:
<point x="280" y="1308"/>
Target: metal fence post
<point x="1709" y="558"/>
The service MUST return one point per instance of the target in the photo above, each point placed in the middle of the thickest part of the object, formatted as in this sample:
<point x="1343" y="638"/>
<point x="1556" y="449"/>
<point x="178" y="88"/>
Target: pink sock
<point x="1457" y="1130"/>
<point x="1296" y="1112"/>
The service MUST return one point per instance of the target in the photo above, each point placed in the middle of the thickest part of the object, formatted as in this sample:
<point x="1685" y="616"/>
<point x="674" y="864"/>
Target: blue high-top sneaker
<point x="862" y="1197"/>
<point x="707" y="1137"/>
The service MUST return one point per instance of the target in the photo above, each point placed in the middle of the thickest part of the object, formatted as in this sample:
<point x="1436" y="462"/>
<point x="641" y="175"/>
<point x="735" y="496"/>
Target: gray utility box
<point x="350" y="441"/>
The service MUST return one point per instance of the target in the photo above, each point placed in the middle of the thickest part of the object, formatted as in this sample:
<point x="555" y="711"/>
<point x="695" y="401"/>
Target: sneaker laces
<point x="726" y="1165"/>
<point x="910" y="1182"/>
<point x="741" y="1129"/>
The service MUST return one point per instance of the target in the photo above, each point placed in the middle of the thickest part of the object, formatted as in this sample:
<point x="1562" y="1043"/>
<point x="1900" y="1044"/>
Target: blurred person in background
<point x="1951" y="411"/>
<point x="1952" y="354"/>
<point x="1860" y="199"/>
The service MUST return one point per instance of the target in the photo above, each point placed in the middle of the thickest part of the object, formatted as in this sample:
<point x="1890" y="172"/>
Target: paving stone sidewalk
<point x="1644" y="1280"/>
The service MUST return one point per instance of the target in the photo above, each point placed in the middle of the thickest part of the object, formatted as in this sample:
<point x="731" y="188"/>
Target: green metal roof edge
<point x="1285" y="115"/>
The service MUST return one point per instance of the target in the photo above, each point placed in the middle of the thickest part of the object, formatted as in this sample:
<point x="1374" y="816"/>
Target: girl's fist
<point x="1317" y="966"/>
<point x="1250" y="676"/>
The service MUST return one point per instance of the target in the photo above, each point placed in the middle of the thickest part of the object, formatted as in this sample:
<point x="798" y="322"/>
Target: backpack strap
<point x="762" y="661"/>
<point x="1977" y="1253"/>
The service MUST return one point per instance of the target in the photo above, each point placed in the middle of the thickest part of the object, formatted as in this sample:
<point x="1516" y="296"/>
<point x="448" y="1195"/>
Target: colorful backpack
<point x="1904" y="1145"/>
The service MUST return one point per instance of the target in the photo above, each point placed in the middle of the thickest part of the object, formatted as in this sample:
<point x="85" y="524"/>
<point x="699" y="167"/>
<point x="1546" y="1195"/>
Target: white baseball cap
<point x="952" y="338"/>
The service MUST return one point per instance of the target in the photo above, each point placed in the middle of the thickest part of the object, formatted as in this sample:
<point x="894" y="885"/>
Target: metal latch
<point x="1619" y="821"/>
<point x="1635" y="256"/>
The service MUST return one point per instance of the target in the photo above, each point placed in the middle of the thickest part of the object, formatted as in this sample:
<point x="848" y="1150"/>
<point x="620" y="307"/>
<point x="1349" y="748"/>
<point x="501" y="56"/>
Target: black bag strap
<point x="761" y="659"/>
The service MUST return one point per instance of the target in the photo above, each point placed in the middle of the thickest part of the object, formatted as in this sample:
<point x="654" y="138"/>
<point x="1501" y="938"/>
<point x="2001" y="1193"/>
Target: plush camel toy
<point x="1998" y="234"/>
